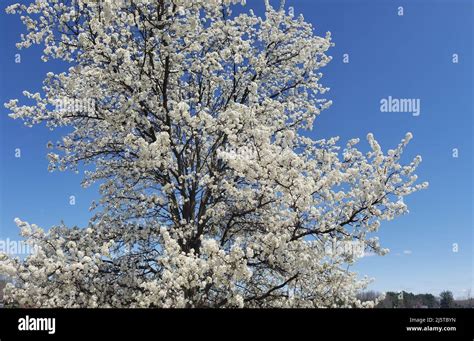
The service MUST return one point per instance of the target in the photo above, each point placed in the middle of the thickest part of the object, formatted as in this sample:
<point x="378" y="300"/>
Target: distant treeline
<point x="409" y="300"/>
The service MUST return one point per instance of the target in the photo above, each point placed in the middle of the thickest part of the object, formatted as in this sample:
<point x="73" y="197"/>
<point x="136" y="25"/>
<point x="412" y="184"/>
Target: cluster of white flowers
<point x="210" y="194"/>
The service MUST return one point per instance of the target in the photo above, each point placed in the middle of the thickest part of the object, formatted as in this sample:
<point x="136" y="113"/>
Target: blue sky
<point x="407" y="56"/>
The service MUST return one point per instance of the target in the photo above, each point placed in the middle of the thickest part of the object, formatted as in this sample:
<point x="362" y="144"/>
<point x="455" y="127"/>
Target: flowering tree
<point x="211" y="196"/>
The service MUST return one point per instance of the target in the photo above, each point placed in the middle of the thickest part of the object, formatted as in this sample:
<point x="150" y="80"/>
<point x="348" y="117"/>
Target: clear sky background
<point x="407" y="56"/>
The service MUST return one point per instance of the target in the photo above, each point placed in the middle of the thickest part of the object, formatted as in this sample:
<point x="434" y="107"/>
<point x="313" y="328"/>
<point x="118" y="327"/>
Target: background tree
<point x="446" y="299"/>
<point x="191" y="119"/>
<point x="429" y="300"/>
<point x="469" y="299"/>
<point x="390" y="300"/>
